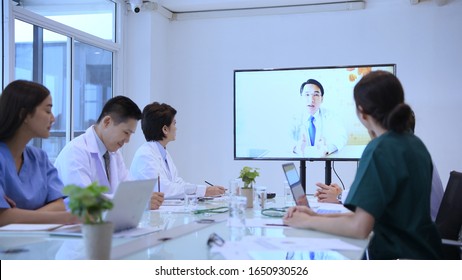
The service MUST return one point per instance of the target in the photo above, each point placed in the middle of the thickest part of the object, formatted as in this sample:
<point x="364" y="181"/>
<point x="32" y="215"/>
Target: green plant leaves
<point x="89" y="202"/>
<point x="248" y="175"/>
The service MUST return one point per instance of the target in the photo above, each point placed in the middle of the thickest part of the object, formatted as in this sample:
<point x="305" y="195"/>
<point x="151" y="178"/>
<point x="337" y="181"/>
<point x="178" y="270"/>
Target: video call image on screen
<point x="275" y="117"/>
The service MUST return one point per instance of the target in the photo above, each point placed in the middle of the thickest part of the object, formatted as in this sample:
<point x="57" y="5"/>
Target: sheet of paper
<point x="299" y="243"/>
<point x="75" y="230"/>
<point x="172" y="209"/>
<point x="172" y="202"/>
<point x="30" y="227"/>
<point x="253" y="246"/>
<point x="260" y="222"/>
<point x="136" y="232"/>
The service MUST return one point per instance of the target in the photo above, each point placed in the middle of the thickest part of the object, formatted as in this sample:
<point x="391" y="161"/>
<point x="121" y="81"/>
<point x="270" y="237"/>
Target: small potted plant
<point x="248" y="176"/>
<point x="89" y="203"/>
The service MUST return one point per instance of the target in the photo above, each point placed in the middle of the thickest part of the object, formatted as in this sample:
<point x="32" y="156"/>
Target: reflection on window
<point x="96" y="17"/>
<point x="42" y="56"/>
<point x="92" y="84"/>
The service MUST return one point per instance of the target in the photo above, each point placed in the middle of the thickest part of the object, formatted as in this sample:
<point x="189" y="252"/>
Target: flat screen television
<point x="273" y="108"/>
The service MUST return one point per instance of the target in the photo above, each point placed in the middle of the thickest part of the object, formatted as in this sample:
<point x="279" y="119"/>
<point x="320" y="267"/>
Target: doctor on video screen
<point x="317" y="131"/>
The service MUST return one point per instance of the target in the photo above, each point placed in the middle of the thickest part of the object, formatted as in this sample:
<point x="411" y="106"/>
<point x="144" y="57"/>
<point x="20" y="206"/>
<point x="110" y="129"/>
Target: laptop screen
<point x="295" y="185"/>
<point x="291" y="174"/>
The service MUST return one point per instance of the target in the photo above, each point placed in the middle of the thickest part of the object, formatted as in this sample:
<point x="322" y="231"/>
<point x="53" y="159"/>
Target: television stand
<point x="327" y="173"/>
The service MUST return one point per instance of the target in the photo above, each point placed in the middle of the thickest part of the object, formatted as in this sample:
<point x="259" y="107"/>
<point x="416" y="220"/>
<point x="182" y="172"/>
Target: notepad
<point x="30" y="227"/>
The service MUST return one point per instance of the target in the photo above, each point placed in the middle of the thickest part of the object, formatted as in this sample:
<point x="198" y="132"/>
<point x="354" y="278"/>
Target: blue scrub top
<point x="37" y="183"/>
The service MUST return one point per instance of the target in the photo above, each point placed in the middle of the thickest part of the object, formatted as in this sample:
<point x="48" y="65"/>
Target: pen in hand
<point x="208" y="183"/>
<point x="158" y="183"/>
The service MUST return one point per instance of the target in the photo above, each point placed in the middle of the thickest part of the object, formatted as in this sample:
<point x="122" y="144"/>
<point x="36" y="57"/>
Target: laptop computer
<point x="299" y="193"/>
<point x="130" y="200"/>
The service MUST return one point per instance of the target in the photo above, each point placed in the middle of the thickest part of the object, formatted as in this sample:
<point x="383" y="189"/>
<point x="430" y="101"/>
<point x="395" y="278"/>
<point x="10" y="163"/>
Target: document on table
<point x="261" y="222"/>
<point x="76" y="230"/>
<point x="251" y="246"/>
<point x="175" y="208"/>
<point x="71" y="230"/>
<point x="30" y="227"/>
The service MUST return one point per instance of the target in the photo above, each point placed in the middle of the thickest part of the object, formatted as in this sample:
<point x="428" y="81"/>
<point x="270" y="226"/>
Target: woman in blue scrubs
<point x="390" y="195"/>
<point x="29" y="183"/>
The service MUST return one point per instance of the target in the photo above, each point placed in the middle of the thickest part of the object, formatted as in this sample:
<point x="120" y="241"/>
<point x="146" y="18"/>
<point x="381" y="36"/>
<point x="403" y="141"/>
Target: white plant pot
<point x="98" y="240"/>
<point x="248" y="192"/>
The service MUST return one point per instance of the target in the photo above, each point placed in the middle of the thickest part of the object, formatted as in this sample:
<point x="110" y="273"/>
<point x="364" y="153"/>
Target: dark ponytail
<point x="399" y="119"/>
<point x="380" y="95"/>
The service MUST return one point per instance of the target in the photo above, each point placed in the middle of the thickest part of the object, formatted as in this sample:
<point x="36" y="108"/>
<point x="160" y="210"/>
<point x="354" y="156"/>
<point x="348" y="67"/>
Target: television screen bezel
<point x="332" y="157"/>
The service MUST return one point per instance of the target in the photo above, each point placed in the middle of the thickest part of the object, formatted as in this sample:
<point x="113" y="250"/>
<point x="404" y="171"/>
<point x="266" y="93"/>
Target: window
<point x="77" y="68"/>
<point x="96" y="17"/>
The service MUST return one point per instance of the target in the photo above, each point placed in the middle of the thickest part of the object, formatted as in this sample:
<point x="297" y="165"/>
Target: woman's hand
<point x="157" y="198"/>
<point x="303" y="209"/>
<point x="298" y="216"/>
<point x="10" y="201"/>
<point x="214" y="191"/>
<point x="328" y="193"/>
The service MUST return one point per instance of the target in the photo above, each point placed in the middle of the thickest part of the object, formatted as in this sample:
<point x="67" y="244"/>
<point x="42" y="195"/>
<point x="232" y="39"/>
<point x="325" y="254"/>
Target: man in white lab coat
<point x="95" y="157"/>
<point x="317" y="131"/>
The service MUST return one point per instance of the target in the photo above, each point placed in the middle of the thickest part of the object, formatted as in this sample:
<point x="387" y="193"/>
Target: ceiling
<point x="193" y="9"/>
<point x="184" y="6"/>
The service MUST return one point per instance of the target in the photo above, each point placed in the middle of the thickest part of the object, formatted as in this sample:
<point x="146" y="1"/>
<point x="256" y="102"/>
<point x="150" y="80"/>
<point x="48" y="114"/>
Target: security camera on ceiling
<point x="135" y="5"/>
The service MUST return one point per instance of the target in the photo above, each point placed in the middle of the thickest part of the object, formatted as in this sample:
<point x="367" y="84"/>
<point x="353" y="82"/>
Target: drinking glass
<point x="288" y="197"/>
<point x="190" y="197"/>
<point x="259" y="198"/>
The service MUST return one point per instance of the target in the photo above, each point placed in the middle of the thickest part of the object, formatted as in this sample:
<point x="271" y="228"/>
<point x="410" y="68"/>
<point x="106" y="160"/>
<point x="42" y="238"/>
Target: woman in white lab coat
<point x="152" y="160"/>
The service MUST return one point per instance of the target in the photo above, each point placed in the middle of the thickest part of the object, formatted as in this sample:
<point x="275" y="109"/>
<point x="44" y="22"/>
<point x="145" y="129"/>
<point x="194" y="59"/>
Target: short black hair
<point x="312" y="82"/>
<point x="155" y="116"/>
<point x="19" y="99"/>
<point x="120" y="109"/>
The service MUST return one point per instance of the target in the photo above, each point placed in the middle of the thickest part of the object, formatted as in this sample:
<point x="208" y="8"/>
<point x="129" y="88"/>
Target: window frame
<point x="12" y="13"/>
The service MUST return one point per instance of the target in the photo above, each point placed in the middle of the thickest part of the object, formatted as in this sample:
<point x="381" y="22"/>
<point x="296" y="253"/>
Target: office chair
<point x="449" y="217"/>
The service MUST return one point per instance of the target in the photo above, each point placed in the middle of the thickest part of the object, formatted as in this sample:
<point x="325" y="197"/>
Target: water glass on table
<point x="288" y="197"/>
<point x="237" y="207"/>
<point x="259" y="198"/>
<point x="190" y="197"/>
<point x="234" y="187"/>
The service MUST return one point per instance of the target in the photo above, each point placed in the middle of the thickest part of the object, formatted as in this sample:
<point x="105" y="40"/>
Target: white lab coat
<point x="81" y="163"/>
<point x="330" y="131"/>
<point x="148" y="164"/>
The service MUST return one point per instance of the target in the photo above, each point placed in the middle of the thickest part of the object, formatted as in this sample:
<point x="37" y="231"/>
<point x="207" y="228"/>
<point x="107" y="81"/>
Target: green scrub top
<point x="393" y="184"/>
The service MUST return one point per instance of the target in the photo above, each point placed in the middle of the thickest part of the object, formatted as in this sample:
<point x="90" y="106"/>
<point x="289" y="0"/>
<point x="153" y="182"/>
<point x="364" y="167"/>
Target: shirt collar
<point x="101" y="147"/>
<point x="317" y="114"/>
<point x="162" y="150"/>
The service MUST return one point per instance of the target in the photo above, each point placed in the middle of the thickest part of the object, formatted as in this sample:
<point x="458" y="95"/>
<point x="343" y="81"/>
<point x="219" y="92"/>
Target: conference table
<point x="181" y="234"/>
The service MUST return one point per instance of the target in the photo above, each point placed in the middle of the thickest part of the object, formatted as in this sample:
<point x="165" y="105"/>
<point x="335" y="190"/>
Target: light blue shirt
<point x="101" y="147"/>
<point x="163" y="154"/>
<point x="162" y="150"/>
<point x="37" y="183"/>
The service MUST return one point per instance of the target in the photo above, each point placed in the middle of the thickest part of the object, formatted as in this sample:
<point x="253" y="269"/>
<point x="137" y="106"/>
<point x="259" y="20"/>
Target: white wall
<point x="145" y="47"/>
<point x="192" y="65"/>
